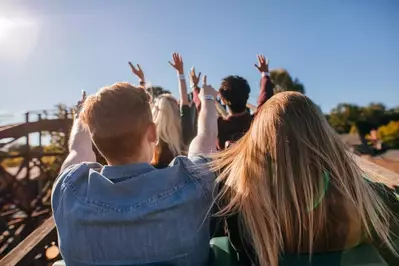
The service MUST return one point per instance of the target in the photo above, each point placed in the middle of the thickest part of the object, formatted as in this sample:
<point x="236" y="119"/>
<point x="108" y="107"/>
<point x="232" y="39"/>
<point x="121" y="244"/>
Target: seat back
<point x="223" y="254"/>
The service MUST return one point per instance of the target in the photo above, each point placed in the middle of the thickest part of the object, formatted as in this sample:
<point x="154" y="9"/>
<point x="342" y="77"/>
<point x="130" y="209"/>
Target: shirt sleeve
<point x="201" y="170"/>
<point x="266" y="90"/>
<point x="220" y="142"/>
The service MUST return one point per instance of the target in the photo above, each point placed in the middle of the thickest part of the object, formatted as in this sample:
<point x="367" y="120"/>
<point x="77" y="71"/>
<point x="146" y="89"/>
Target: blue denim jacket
<point x="134" y="214"/>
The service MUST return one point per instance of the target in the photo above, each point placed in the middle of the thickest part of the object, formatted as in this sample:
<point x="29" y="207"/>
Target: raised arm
<point x="80" y="145"/>
<point x="266" y="85"/>
<point x="194" y="80"/>
<point x="185" y="110"/>
<point x="136" y="70"/>
<point x="205" y="141"/>
<point x="178" y="65"/>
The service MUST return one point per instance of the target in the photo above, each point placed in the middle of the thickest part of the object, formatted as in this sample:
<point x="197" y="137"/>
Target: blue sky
<point x="343" y="51"/>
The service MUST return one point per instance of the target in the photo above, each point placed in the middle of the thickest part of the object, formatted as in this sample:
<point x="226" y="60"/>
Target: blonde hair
<point x="167" y="118"/>
<point x="117" y="117"/>
<point x="288" y="176"/>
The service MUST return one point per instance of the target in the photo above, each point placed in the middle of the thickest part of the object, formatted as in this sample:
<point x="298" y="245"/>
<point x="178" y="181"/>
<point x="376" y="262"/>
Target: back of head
<point x="166" y="115"/>
<point x="234" y="92"/>
<point x="118" y="118"/>
<point x="290" y="177"/>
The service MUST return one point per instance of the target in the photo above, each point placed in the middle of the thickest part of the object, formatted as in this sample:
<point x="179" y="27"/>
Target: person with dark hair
<point x="234" y="93"/>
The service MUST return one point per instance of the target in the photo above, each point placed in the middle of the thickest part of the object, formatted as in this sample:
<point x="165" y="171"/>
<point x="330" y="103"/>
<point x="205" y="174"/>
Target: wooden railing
<point x="25" y="252"/>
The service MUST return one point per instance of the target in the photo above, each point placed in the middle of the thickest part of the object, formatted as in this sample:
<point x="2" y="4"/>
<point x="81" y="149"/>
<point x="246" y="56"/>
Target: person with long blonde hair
<point x="289" y="186"/>
<point x="171" y="117"/>
<point x="166" y="115"/>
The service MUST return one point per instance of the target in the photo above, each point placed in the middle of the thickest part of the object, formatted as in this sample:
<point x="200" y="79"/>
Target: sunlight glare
<point x="5" y="27"/>
<point x="18" y="37"/>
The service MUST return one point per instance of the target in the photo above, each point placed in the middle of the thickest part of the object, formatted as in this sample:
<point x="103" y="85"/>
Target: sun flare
<point x="18" y="37"/>
<point x="6" y="27"/>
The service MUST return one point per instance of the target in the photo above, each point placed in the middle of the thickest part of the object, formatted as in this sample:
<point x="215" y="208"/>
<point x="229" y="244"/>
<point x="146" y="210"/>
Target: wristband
<point x="265" y="74"/>
<point x="208" y="97"/>
<point x="181" y="76"/>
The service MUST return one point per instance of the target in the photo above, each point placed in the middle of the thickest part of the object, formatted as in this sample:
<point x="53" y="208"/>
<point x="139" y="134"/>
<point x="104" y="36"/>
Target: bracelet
<point x="181" y="76"/>
<point x="265" y="74"/>
<point x="208" y="97"/>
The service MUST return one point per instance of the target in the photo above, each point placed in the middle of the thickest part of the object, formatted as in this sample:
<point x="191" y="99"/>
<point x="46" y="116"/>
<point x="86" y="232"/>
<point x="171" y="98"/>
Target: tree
<point x="389" y="134"/>
<point x="284" y="82"/>
<point x="343" y="117"/>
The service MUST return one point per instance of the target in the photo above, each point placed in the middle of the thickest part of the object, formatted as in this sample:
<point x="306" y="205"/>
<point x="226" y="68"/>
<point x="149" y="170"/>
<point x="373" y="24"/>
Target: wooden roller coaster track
<point x="25" y="190"/>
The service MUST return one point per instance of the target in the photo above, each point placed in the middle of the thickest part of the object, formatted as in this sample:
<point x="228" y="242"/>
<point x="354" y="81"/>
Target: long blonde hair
<point x="166" y="115"/>
<point x="289" y="176"/>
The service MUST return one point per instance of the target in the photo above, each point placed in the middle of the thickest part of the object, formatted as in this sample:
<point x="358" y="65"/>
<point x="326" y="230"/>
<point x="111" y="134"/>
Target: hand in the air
<point x="207" y="90"/>
<point x="177" y="63"/>
<point x="137" y="71"/>
<point x="194" y="79"/>
<point x="263" y="64"/>
<point x="79" y="105"/>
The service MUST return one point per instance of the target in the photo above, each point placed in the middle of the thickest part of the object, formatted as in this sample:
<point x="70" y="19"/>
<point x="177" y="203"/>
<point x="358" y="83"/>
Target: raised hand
<point x="194" y="79"/>
<point x="177" y="63"/>
<point x="79" y="104"/>
<point x="207" y="89"/>
<point x="263" y="64"/>
<point x="137" y="71"/>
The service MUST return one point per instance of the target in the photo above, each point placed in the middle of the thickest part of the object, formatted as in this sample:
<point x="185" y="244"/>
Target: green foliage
<point x="350" y="118"/>
<point x="353" y="130"/>
<point x="389" y="134"/>
<point x="284" y="82"/>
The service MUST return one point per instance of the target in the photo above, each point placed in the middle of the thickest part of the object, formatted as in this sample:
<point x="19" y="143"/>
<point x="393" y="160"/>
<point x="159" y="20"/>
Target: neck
<point x="238" y="114"/>
<point x="128" y="160"/>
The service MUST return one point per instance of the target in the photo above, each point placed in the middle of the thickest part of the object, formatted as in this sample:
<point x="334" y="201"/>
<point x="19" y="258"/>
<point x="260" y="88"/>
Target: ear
<point x="152" y="133"/>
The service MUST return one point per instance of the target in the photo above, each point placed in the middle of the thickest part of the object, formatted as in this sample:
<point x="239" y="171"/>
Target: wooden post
<point x="28" y="156"/>
<point x="66" y="132"/>
<point x="39" y="117"/>
<point x="40" y="182"/>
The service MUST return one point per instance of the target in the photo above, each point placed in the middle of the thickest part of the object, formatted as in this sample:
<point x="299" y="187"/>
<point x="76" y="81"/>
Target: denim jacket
<point x="134" y="214"/>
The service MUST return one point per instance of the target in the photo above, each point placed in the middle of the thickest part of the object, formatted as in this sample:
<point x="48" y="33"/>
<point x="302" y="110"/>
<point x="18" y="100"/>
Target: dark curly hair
<point x="234" y="92"/>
